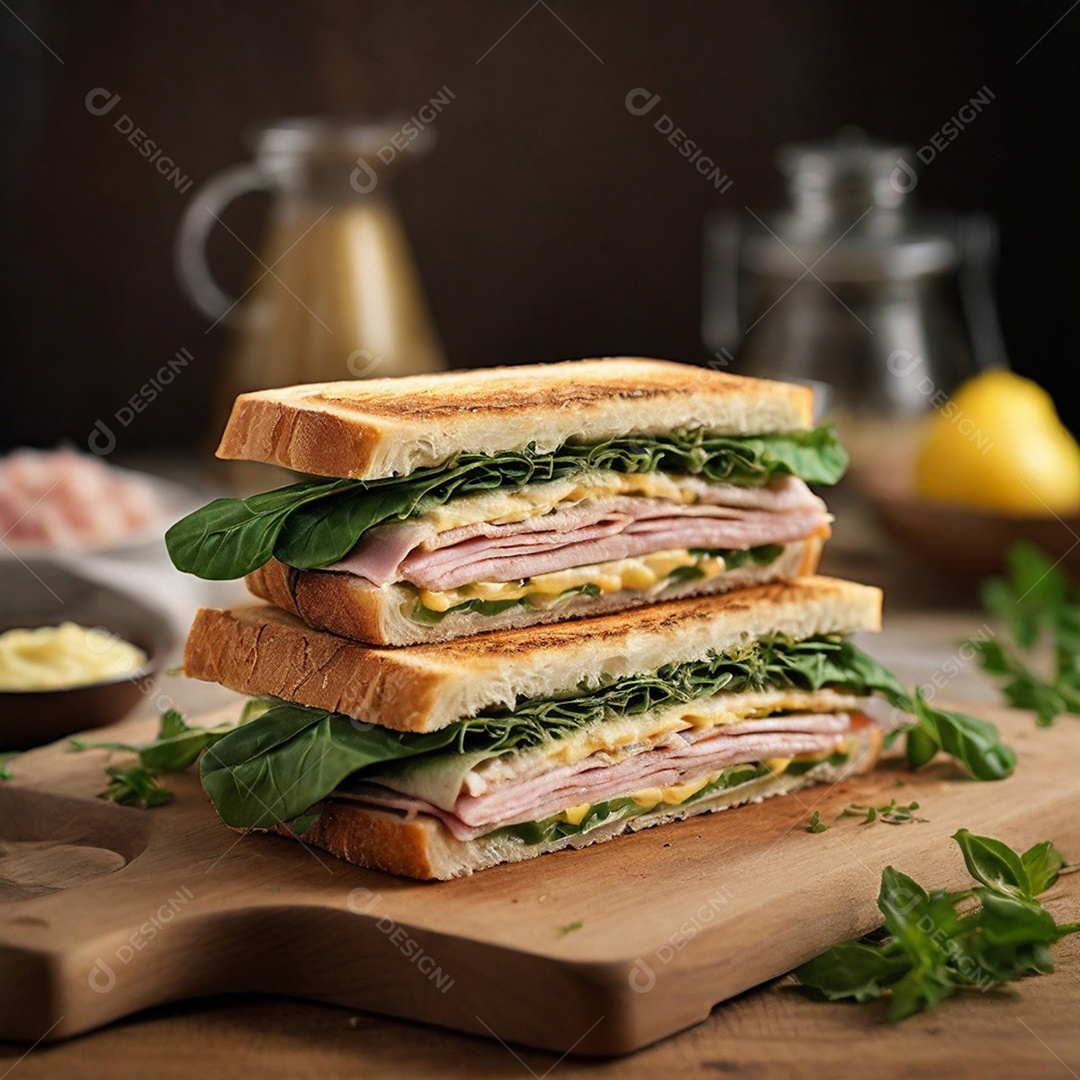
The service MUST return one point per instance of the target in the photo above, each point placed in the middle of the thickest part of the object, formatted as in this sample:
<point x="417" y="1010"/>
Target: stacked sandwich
<point x="411" y="711"/>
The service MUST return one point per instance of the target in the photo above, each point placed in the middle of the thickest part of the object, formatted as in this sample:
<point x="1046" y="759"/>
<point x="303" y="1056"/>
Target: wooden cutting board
<point x="105" y="910"/>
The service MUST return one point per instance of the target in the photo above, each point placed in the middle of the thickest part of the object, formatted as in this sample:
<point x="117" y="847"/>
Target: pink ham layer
<point x="591" y="532"/>
<point x="539" y="791"/>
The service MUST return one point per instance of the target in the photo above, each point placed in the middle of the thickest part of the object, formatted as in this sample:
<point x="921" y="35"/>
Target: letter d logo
<point x="102" y="978"/>
<point x="642" y="978"/>
<point x="101" y="447"/>
<point x="363" y="178"/>
<point x="635" y="96"/>
<point x="903" y="178"/>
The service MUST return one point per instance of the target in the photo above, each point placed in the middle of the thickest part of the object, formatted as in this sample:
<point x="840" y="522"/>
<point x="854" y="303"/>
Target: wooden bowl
<point x="972" y="543"/>
<point x="42" y="593"/>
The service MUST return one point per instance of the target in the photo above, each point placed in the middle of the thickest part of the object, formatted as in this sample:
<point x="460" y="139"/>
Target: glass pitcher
<point x="880" y="305"/>
<point x="334" y="291"/>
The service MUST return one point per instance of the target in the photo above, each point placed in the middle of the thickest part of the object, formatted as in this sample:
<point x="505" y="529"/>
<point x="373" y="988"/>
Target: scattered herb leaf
<point x="569" y="928"/>
<point x="5" y="771"/>
<point x="929" y="950"/>
<point x="135" y="786"/>
<point x="891" y="813"/>
<point x="1038" y="611"/>
<point x="816" y="825"/>
<point x="176" y="747"/>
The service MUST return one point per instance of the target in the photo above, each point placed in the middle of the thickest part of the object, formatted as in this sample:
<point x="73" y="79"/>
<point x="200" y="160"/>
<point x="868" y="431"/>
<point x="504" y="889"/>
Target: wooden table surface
<point x="773" y="1031"/>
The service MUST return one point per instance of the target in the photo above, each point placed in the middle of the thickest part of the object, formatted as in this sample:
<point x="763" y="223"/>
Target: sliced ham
<point x="589" y="532"/>
<point x="538" y="790"/>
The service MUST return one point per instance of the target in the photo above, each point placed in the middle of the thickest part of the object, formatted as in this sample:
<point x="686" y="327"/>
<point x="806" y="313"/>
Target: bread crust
<point x="346" y="605"/>
<point x="264" y="650"/>
<point x="365" y="429"/>
<point x="424" y="848"/>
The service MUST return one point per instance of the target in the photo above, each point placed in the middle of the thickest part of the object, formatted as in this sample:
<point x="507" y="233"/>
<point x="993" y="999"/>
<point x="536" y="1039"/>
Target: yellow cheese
<point x="679" y="793"/>
<point x="576" y="814"/>
<point x="639" y="572"/>
<point x="777" y="765"/>
<point x="673" y="794"/>
<point x="503" y="507"/>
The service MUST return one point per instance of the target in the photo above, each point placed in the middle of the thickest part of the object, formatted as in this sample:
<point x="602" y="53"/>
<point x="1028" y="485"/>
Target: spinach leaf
<point x="316" y="523"/>
<point x="228" y="533"/>
<point x="276" y="767"/>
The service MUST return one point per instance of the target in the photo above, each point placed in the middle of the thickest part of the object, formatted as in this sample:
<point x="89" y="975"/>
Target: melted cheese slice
<point x="616" y="737"/>
<point x="501" y="507"/>
<point x="638" y="573"/>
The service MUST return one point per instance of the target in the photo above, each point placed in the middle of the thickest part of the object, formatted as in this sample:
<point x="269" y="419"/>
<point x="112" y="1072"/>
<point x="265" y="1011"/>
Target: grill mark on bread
<point x="449" y="402"/>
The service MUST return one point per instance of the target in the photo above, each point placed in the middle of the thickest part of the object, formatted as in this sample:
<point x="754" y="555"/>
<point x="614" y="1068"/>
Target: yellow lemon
<point x="998" y="444"/>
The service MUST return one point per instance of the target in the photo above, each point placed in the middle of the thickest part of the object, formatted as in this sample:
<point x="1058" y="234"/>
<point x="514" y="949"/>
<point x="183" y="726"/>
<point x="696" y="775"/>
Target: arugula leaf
<point x="135" y="786"/>
<point x="974" y="742"/>
<point x="930" y="950"/>
<point x="316" y="523"/>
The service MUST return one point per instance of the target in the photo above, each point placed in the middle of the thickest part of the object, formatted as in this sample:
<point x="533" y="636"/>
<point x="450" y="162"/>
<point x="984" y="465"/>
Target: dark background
<point x="549" y="222"/>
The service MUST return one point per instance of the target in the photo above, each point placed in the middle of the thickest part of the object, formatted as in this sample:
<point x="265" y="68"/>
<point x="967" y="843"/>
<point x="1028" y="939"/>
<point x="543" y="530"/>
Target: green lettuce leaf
<point x="316" y="523"/>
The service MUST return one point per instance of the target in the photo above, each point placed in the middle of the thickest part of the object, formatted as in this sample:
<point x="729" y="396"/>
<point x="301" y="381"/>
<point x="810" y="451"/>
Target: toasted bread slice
<point x="365" y="429"/>
<point x="380" y="615"/>
<point x="422" y="847"/>
<point x="263" y="650"/>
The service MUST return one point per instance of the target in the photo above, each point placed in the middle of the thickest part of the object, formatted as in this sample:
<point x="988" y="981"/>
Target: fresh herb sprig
<point x="1039" y="612"/>
<point x="933" y="946"/>
<point x="177" y="746"/>
<point x="135" y="786"/>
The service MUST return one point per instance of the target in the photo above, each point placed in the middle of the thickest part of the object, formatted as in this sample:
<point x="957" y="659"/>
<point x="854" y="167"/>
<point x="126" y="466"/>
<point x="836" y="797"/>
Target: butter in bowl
<point x="74" y="654"/>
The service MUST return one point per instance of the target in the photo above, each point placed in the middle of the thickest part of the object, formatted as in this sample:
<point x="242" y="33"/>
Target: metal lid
<point x="851" y="217"/>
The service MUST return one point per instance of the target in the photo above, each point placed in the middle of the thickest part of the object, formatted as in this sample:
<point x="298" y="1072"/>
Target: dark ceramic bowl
<point x="971" y="544"/>
<point x="41" y="593"/>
